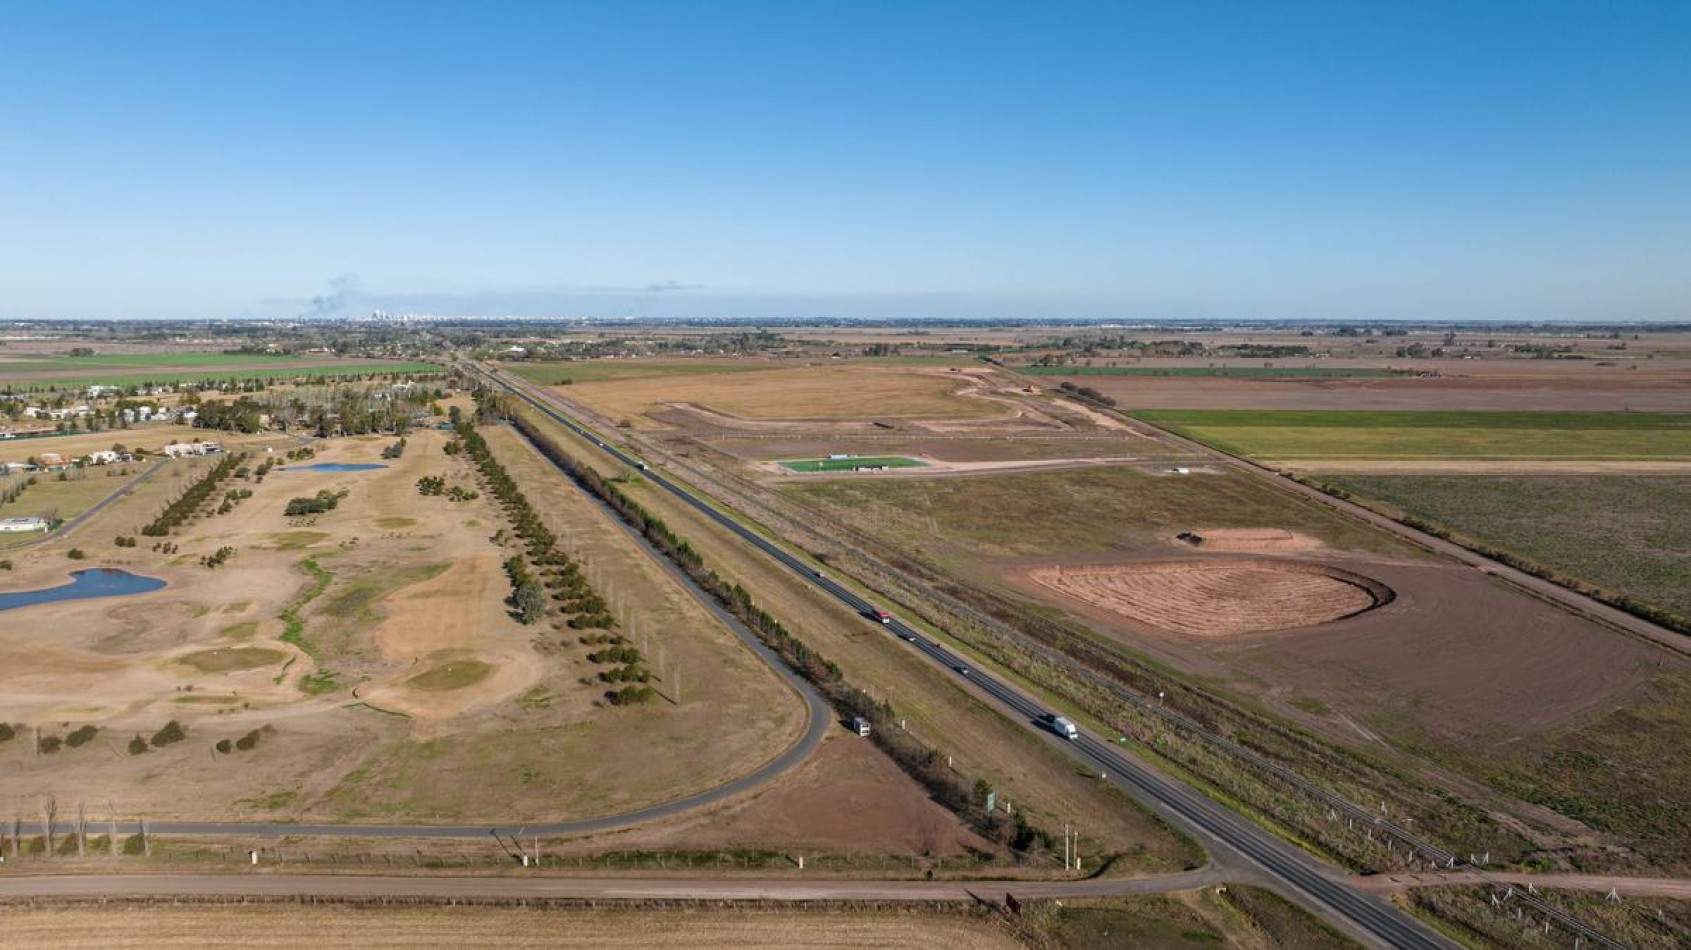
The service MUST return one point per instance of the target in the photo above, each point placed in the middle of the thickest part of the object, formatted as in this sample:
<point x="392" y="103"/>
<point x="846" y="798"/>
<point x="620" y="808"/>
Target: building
<point x="17" y="525"/>
<point x="177" y="450"/>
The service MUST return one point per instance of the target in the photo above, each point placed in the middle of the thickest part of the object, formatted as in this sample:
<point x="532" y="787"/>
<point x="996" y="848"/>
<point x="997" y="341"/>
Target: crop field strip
<point x="15" y="375"/>
<point x="1289" y="435"/>
<point x="1243" y="372"/>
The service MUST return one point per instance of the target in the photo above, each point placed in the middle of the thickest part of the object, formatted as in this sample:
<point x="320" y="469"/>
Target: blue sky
<point x="1182" y="160"/>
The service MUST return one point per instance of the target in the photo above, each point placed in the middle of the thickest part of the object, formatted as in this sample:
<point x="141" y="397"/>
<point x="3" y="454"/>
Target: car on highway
<point x="963" y="669"/>
<point x="880" y="616"/>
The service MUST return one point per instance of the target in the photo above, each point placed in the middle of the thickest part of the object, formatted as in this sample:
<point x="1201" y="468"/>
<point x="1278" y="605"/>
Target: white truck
<point x="1063" y="726"/>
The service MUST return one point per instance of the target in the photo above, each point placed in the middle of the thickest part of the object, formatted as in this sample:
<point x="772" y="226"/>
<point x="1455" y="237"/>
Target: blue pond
<point x="98" y="582"/>
<point x="334" y="467"/>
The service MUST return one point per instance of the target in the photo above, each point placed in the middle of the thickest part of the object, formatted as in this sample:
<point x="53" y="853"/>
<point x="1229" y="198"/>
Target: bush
<point x="75" y="554"/>
<point x="630" y="695"/>
<point x="171" y="733"/>
<point x="7" y="732"/>
<point x="82" y="736"/>
<point x="137" y="745"/>
<point x="49" y="744"/>
<point x="317" y="504"/>
<point x="225" y="746"/>
<point x="248" y="742"/>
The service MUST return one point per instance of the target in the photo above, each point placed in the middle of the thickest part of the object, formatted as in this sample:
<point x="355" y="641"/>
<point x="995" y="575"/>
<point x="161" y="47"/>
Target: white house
<point x="18" y="525"/>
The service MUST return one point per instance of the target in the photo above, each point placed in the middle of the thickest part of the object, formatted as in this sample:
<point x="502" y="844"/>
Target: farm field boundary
<point x="1248" y="372"/>
<point x="1290" y="435"/>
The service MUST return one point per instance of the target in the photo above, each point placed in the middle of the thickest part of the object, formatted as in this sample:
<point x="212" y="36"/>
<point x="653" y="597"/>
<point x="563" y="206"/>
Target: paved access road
<point x="1229" y="835"/>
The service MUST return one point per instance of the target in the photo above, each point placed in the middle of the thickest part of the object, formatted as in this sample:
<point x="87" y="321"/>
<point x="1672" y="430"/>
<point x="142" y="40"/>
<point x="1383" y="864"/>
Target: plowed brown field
<point x="1218" y="598"/>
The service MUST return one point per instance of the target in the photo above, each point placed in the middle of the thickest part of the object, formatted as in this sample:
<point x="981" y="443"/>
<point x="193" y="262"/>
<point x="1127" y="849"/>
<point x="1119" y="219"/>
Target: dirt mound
<point x="1221" y="597"/>
<point x="1248" y="540"/>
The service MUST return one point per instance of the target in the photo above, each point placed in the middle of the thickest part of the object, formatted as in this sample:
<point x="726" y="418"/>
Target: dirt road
<point x="362" y="887"/>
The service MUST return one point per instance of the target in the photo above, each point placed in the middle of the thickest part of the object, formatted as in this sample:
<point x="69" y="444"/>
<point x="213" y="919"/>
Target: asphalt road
<point x="76" y="522"/>
<point x="1218" y="827"/>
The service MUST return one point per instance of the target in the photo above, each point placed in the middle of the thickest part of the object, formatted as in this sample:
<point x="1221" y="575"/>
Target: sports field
<point x="1575" y="436"/>
<point x="851" y="464"/>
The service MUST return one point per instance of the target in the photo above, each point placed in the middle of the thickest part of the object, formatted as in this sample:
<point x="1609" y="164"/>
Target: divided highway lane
<point x="1290" y="867"/>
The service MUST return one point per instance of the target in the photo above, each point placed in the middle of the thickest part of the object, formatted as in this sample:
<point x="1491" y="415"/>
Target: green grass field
<point x="1077" y="510"/>
<point x="847" y="464"/>
<point x="1627" y="533"/>
<point x="1295" y="434"/>
<point x="1244" y="372"/>
<point x="22" y="363"/>
<point x="175" y="374"/>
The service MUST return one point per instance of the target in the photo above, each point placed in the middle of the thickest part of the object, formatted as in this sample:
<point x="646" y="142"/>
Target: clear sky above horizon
<point x="1340" y="160"/>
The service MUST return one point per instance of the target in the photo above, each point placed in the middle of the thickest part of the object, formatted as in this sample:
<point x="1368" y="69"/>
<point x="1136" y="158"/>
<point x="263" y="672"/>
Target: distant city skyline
<point x="1210" y="160"/>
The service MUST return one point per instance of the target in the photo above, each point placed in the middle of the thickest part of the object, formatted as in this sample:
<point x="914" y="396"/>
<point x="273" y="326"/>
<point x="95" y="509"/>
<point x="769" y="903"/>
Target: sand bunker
<point x="1221" y="597"/>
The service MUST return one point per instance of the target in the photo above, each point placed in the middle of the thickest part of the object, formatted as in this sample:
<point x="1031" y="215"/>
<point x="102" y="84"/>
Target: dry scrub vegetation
<point x="374" y="646"/>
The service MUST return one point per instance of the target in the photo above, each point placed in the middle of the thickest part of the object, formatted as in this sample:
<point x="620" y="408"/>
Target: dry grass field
<point x="284" y="927"/>
<point x="859" y="392"/>
<point x="1637" y="385"/>
<point x="1459" y="668"/>
<point x="371" y="650"/>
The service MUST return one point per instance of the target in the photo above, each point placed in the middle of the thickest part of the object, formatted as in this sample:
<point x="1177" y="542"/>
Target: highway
<point x="1300" y="875"/>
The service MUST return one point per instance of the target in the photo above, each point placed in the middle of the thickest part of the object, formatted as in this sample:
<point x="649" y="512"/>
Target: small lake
<point x="333" y="467"/>
<point x="96" y="582"/>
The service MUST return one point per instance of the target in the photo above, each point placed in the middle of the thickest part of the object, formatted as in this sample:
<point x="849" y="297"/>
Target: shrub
<point x="137" y="745"/>
<point x="49" y="744"/>
<point x="248" y="742"/>
<point x="225" y="746"/>
<point x="82" y="736"/>
<point x="317" y="504"/>
<point x="171" y="733"/>
<point x="75" y="554"/>
<point x="7" y="732"/>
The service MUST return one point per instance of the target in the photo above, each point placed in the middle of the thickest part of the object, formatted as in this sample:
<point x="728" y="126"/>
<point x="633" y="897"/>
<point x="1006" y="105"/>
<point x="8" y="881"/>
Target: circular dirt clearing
<point x="1218" y="598"/>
